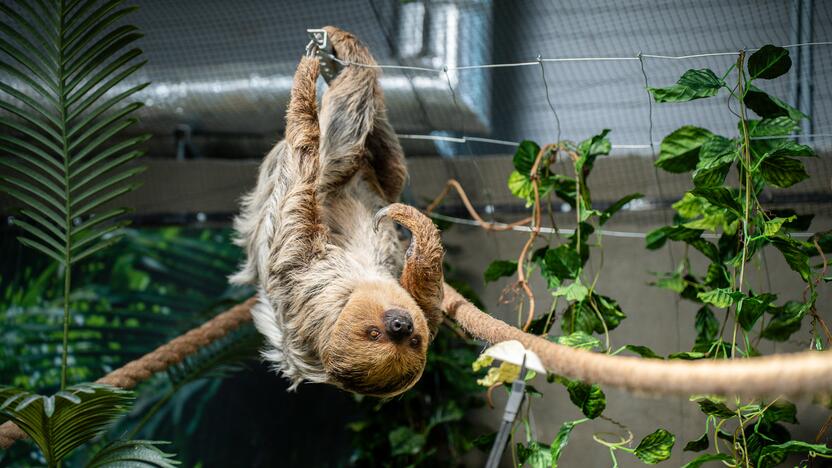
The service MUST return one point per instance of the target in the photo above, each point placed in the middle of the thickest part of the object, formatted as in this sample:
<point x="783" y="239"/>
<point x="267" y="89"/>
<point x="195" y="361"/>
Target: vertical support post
<point x="805" y="68"/>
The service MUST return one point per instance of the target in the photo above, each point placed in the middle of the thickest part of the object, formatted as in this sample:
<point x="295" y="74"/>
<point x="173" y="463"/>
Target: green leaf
<point x="708" y="457"/>
<point x="715" y="408"/>
<point x="721" y="197"/>
<point x="591" y="148"/>
<point x="536" y="455"/>
<point x="122" y="453"/>
<point x="786" y="320"/>
<point x="792" y="446"/>
<point x="767" y="106"/>
<point x="561" y="439"/>
<point x="750" y="309"/>
<point x="782" y="171"/>
<point x="498" y="269"/>
<point x="579" y="340"/>
<point x="795" y="256"/>
<point x="688" y="355"/>
<point x="693" y="84"/>
<point x="562" y="263"/>
<point x="772" y="226"/>
<point x="582" y="316"/>
<point x="615" y="207"/>
<point x="642" y="351"/>
<point x="679" y="151"/>
<point x="698" y="445"/>
<point x="781" y="410"/>
<point x="61" y="423"/>
<point x="575" y="291"/>
<point x="656" y="239"/>
<point x="524" y="157"/>
<point x="777" y="126"/>
<point x="655" y="447"/>
<point x="769" y="62"/>
<point x="721" y="298"/>
<point x="405" y="441"/>
<point x="588" y="397"/>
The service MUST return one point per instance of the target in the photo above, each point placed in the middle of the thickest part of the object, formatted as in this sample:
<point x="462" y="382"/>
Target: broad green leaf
<point x="521" y="187"/>
<point x="772" y="226"/>
<point x="524" y="157"/>
<point x="562" y="263"/>
<point x="781" y="410"/>
<point x="698" y="445"/>
<point x="583" y="316"/>
<point x="589" y="149"/>
<point x="693" y="84"/>
<point x="656" y="239"/>
<point x="777" y="126"/>
<point x="708" y="457"/>
<point x="721" y="298"/>
<point x="786" y="320"/>
<point x="782" y="171"/>
<point x="123" y="453"/>
<point x="642" y="351"/>
<point x="561" y="439"/>
<point x="655" y="447"/>
<point x="715" y="158"/>
<point x="769" y="62"/>
<point x="498" y="269"/>
<point x="750" y="309"/>
<point x="792" y="446"/>
<point x="579" y="340"/>
<point x="66" y="420"/>
<point x="615" y="207"/>
<point x="719" y="196"/>
<point x="575" y="291"/>
<point x="674" y="282"/>
<point x="588" y="397"/>
<point x="716" y="408"/>
<point x="536" y="455"/>
<point x="679" y="151"/>
<point x="795" y="255"/>
<point x="767" y="106"/>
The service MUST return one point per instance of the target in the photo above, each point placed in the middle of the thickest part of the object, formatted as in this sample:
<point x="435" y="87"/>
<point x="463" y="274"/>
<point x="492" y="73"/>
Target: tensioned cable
<point x="569" y="232"/>
<point x="445" y="68"/>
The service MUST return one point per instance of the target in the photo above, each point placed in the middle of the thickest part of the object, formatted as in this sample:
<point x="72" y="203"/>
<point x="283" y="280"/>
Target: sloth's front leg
<point x="422" y="275"/>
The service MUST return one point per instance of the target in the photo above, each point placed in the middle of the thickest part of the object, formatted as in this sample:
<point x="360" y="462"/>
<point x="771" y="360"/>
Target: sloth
<point x="339" y="300"/>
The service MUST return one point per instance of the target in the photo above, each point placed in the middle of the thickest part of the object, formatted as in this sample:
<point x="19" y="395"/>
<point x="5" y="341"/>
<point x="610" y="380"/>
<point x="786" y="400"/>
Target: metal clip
<point x="319" y="46"/>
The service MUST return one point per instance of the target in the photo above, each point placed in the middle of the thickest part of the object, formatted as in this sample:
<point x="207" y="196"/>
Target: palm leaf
<point x="67" y="57"/>
<point x="60" y="423"/>
<point x="132" y="453"/>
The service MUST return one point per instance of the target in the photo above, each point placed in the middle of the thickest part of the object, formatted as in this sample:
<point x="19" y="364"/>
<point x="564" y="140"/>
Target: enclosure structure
<point x="465" y="83"/>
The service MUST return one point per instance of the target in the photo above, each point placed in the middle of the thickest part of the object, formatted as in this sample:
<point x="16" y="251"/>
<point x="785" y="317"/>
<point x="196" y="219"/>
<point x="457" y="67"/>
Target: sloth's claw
<point x="380" y="214"/>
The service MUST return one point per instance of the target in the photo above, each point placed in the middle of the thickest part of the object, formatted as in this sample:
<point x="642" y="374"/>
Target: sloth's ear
<point x="422" y="275"/>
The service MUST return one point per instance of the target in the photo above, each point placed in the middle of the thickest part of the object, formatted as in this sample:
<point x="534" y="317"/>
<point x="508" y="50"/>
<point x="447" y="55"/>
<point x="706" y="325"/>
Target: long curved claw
<point x="422" y="275"/>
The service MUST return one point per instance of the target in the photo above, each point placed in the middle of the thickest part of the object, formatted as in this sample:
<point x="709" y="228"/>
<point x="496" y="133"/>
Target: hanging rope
<point x="794" y="374"/>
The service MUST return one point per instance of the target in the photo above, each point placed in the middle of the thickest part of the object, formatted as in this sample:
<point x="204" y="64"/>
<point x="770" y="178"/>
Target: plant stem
<point x="746" y="232"/>
<point x="68" y="204"/>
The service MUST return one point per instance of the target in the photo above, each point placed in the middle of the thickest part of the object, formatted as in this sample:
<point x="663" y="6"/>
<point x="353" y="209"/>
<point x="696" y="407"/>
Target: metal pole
<point x="515" y="399"/>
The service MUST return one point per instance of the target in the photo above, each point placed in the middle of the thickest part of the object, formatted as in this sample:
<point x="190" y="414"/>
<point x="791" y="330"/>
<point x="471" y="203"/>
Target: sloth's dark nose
<point x="398" y="324"/>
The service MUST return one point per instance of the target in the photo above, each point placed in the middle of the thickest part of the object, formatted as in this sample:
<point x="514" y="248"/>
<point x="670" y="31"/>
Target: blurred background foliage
<point x="161" y="281"/>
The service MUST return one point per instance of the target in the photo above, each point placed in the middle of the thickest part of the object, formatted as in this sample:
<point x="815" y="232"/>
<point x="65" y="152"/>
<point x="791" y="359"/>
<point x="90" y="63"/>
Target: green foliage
<point x="60" y="423"/>
<point x="764" y="157"/>
<point x="655" y="447"/>
<point x="499" y="269"/>
<point x="132" y="453"/>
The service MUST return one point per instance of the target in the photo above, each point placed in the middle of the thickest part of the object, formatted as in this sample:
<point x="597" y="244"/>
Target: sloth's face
<point x="379" y="343"/>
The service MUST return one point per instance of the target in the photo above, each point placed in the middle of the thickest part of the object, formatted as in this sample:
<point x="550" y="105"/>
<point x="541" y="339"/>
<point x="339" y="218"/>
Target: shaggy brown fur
<point x="326" y="268"/>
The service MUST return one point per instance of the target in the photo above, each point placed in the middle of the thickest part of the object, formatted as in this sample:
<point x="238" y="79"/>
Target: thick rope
<point x="794" y="374"/>
<point x="158" y="360"/>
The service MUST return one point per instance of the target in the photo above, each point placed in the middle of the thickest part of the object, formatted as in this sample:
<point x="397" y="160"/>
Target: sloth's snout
<point x="398" y="324"/>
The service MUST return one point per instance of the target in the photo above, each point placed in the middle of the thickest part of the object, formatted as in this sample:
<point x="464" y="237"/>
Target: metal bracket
<point x="320" y="47"/>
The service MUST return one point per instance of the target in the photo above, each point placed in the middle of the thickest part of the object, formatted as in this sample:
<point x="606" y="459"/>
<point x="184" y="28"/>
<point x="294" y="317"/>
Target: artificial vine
<point x="764" y="155"/>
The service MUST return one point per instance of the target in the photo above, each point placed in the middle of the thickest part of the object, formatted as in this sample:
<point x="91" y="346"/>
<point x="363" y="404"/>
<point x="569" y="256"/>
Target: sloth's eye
<point x="374" y="334"/>
<point x="415" y="341"/>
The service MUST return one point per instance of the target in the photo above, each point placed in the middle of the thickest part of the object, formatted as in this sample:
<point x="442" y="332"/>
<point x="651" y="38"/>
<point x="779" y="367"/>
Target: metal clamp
<point x="320" y="47"/>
